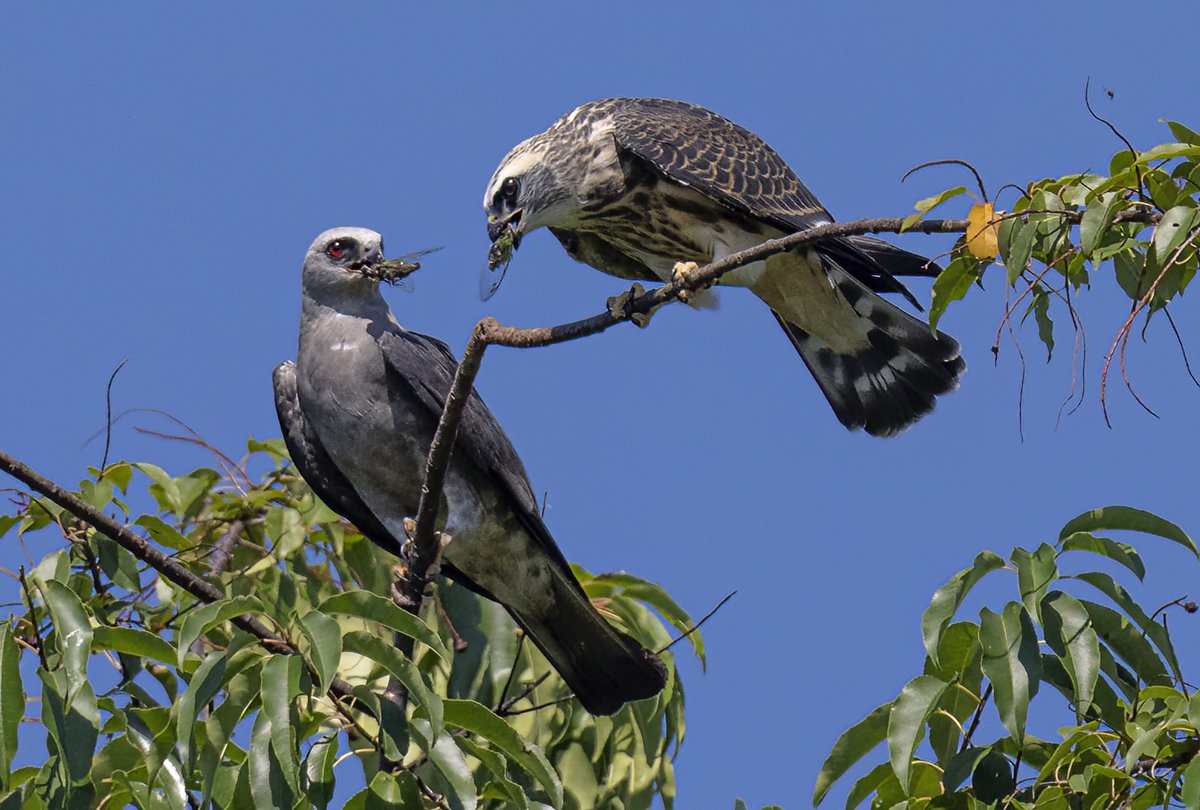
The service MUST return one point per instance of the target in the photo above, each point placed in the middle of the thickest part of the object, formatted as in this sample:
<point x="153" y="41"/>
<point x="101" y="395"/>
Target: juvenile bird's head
<point x="527" y="191"/>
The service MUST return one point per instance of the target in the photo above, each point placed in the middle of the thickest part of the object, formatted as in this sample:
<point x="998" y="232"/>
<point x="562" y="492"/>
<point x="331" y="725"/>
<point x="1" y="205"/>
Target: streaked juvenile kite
<point x="645" y="188"/>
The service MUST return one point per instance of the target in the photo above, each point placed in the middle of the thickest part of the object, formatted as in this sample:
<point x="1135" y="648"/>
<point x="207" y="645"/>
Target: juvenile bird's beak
<point x="498" y="226"/>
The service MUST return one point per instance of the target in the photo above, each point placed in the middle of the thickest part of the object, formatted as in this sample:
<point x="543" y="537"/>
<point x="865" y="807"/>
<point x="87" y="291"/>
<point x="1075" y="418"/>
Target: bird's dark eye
<point x="338" y="248"/>
<point x="510" y="188"/>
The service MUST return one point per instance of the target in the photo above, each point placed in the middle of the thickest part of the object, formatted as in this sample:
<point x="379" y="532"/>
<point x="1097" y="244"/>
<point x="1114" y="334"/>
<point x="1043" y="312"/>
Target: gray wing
<point x="426" y="366"/>
<point x="315" y="465"/>
<point x="715" y="156"/>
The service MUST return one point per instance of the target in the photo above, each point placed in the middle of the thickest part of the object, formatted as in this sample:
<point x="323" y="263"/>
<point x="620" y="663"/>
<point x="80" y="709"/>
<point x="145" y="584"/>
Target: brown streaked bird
<point x="646" y="188"/>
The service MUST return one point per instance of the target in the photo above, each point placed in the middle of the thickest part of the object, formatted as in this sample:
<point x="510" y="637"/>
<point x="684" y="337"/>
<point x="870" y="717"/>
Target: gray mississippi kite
<point x="641" y="188"/>
<point x="358" y="409"/>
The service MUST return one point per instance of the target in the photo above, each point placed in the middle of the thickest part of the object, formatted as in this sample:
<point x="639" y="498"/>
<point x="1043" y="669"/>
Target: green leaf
<point x="855" y="743"/>
<point x="654" y="596"/>
<point x="948" y="598"/>
<point x="369" y="606"/>
<point x="906" y="722"/>
<point x="1040" y="307"/>
<point x="1182" y="133"/>
<point x="1011" y="663"/>
<point x="280" y="690"/>
<point x="204" y="685"/>
<point x="1169" y="151"/>
<point x="74" y="634"/>
<point x="993" y="777"/>
<point x="448" y="758"/>
<point x="929" y="203"/>
<point x="1069" y="633"/>
<point x="952" y="284"/>
<point x="1096" y="219"/>
<point x="72" y="727"/>
<point x="1121" y="553"/>
<point x="1157" y="633"/>
<point x="1129" y="519"/>
<point x="268" y="783"/>
<point x="405" y="670"/>
<point x="318" y="770"/>
<point x="1174" y="227"/>
<point x="202" y="619"/>
<point x="963" y="765"/>
<point x="1128" y="642"/>
<point x="1035" y="571"/>
<point x="133" y="641"/>
<point x="286" y="530"/>
<point x="163" y="533"/>
<point x="1016" y="236"/>
<point x="867" y="785"/>
<point x="1191" y="785"/>
<point x="324" y="645"/>
<point x="960" y="664"/>
<point x="12" y="701"/>
<point x="478" y="719"/>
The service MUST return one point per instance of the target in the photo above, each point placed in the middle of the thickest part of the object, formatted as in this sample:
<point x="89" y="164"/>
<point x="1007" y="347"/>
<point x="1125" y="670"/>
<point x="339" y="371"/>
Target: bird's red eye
<point x="336" y="249"/>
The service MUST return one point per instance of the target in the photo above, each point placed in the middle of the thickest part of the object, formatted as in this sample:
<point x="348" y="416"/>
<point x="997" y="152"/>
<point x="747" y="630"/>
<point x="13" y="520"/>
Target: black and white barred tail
<point x="894" y="379"/>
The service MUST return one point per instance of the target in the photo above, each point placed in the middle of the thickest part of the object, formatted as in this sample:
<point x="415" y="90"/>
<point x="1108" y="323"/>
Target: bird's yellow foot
<point x="681" y="274"/>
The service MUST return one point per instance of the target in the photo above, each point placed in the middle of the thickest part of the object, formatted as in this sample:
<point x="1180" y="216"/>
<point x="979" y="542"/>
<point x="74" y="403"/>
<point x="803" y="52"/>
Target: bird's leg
<point x="618" y="306"/>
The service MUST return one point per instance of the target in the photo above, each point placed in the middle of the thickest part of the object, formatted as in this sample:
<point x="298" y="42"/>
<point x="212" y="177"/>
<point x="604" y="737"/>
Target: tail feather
<point x="603" y="667"/>
<point x="893" y="379"/>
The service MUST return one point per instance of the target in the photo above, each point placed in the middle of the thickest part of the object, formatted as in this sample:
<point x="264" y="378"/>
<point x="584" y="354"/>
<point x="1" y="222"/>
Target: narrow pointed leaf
<point x="448" y="758"/>
<point x="74" y="633"/>
<point x="205" y="683"/>
<point x="134" y="641"/>
<point x="478" y="719"/>
<point x="1127" y="641"/>
<point x="267" y="781"/>
<point x="324" y="645"/>
<point x="1155" y="631"/>
<point x="1108" y="518"/>
<point x="318" y="770"/>
<point x="1036" y="570"/>
<point x="199" y="621"/>
<point x="948" y="598"/>
<point x="1011" y="663"/>
<point x="865" y="786"/>
<point x="1121" y="553"/>
<point x="405" y="670"/>
<point x="369" y="606"/>
<point x="1069" y="633"/>
<point x="855" y="743"/>
<point x="906" y="722"/>
<point x="280" y="689"/>
<point x="12" y="701"/>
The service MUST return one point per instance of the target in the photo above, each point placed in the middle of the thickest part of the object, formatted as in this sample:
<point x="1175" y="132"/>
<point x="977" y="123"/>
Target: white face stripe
<point x="520" y="160"/>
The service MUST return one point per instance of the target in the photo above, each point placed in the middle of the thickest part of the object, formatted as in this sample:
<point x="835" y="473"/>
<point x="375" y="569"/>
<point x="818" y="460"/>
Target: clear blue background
<point x="163" y="170"/>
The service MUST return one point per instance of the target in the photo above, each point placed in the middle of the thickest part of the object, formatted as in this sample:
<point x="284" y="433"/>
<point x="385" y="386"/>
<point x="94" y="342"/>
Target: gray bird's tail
<point x="902" y="366"/>
<point x="603" y="667"/>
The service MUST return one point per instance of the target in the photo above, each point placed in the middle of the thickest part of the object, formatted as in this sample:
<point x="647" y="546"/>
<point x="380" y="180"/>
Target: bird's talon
<point x="681" y="274"/>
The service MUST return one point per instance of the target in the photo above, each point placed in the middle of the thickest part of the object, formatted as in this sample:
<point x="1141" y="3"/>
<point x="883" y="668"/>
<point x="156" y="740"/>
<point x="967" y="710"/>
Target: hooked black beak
<point x="499" y="226"/>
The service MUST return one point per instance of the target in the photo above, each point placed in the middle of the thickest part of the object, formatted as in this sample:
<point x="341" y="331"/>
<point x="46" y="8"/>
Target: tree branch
<point x="139" y="547"/>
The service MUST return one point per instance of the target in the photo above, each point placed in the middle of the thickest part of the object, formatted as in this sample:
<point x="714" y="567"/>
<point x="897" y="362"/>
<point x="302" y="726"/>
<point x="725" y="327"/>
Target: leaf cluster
<point x="1136" y="729"/>
<point x="152" y="698"/>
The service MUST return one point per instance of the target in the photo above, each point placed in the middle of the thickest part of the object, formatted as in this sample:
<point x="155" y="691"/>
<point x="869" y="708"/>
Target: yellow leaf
<point x="982" y="239"/>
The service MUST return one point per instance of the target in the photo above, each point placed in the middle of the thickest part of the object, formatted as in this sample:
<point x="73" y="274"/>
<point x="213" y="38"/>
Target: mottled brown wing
<point x="715" y="156"/>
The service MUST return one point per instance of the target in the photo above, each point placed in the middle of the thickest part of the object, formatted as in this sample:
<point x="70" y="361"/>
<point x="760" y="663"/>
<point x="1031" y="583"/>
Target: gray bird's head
<point x="547" y="178"/>
<point x="350" y="260"/>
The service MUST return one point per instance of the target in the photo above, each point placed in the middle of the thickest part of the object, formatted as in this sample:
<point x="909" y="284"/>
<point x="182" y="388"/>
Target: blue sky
<point x="162" y="172"/>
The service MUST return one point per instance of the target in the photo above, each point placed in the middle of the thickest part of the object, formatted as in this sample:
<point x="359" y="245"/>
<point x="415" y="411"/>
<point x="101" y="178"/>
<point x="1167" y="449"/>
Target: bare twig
<point x="108" y="413"/>
<point x="695" y="626"/>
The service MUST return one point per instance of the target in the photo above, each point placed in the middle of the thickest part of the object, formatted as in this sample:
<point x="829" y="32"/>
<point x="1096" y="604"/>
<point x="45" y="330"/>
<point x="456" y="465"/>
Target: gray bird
<point x="645" y="188"/>
<point x="359" y="408"/>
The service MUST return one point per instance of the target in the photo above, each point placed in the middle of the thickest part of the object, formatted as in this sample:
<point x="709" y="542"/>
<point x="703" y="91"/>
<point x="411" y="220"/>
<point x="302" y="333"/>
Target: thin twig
<point x="108" y="413"/>
<point x="695" y="626"/>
